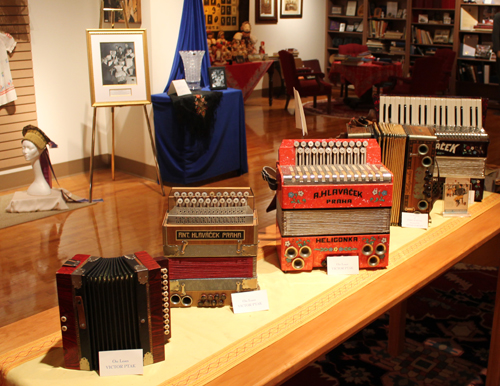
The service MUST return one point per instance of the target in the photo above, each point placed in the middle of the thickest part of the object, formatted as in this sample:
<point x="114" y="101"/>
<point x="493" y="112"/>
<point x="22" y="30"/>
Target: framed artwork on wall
<point x="291" y="9"/>
<point x="266" y="11"/>
<point x="118" y="67"/>
<point x="217" y="76"/>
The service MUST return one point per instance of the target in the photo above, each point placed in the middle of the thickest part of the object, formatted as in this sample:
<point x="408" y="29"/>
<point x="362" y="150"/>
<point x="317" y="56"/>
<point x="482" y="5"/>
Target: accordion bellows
<point x="112" y="304"/>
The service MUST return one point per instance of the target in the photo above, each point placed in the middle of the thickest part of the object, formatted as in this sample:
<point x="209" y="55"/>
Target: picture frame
<point x="483" y="51"/>
<point x="342" y="27"/>
<point x="291" y="9"/>
<point x="266" y="11"/>
<point x="351" y="8"/>
<point x="336" y="10"/>
<point x="423" y="18"/>
<point x="334" y="25"/>
<point x="118" y="67"/>
<point x="133" y="11"/>
<point x="217" y="78"/>
<point x="392" y="9"/>
<point x="349" y="28"/>
<point x="441" y="36"/>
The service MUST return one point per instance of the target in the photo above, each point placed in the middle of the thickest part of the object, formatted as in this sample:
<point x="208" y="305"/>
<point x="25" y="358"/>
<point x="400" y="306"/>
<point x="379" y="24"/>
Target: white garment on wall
<point x="7" y="91"/>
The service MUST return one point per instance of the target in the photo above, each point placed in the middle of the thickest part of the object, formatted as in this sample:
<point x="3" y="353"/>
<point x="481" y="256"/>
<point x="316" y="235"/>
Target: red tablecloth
<point x="366" y="75"/>
<point x="245" y="76"/>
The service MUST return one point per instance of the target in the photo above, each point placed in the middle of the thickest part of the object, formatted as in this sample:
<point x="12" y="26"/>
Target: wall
<point x="61" y="70"/>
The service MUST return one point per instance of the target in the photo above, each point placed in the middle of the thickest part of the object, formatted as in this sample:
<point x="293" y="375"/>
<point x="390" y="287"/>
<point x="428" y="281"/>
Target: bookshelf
<point x="428" y="26"/>
<point x="388" y="29"/>
<point x="346" y="23"/>
<point x="476" y="75"/>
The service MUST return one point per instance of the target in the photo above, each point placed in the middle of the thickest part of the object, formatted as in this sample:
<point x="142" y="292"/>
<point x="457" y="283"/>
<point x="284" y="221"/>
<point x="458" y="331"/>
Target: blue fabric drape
<point x="192" y="36"/>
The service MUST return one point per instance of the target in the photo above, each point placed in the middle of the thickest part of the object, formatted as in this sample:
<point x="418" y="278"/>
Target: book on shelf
<point x="423" y="37"/>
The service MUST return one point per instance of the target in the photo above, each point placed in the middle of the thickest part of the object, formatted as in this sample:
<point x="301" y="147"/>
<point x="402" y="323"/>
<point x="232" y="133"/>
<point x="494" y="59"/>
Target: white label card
<point x="472" y="195"/>
<point x="120" y="362"/>
<point x="415" y="220"/>
<point x="250" y="301"/>
<point x="342" y="265"/>
<point x="180" y="87"/>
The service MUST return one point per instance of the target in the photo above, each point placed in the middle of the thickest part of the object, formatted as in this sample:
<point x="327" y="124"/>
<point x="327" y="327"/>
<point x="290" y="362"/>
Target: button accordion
<point x="210" y="240"/>
<point x="112" y="304"/>
<point x="462" y="142"/>
<point x="334" y="198"/>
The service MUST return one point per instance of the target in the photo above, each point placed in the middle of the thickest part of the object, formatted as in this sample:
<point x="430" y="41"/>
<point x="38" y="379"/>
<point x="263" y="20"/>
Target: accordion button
<point x="64" y="328"/>
<point x="63" y="319"/>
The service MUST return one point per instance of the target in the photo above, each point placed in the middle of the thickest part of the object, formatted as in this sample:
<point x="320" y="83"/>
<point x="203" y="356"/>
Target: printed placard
<point x="120" y="362"/>
<point x="414" y="220"/>
<point x="342" y="265"/>
<point x="250" y="301"/>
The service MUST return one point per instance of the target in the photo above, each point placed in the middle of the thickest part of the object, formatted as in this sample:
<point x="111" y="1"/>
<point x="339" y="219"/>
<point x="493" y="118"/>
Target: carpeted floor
<point x="338" y="109"/>
<point x="448" y="329"/>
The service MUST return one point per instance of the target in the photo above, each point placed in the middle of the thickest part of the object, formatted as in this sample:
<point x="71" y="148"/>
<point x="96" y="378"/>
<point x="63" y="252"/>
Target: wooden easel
<point x="94" y="120"/>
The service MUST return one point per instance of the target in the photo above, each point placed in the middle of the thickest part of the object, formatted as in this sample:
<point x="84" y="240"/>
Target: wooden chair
<point x="448" y="57"/>
<point x="423" y="81"/>
<point x="306" y="81"/>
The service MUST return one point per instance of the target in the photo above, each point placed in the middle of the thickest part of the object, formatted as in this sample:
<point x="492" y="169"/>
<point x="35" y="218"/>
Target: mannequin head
<point x="34" y="146"/>
<point x="30" y="151"/>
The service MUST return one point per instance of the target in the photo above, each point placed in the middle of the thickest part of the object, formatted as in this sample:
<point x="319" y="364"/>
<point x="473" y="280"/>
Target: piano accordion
<point x="462" y="142"/>
<point x="334" y="198"/>
<point x="112" y="304"/>
<point x="210" y="240"/>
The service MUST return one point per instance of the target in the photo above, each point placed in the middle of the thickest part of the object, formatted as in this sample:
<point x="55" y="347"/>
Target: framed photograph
<point x="483" y="51"/>
<point x="118" y="67"/>
<point x="342" y="27"/>
<point x="392" y="9"/>
<point x="291" y="9"/>
<point x="351" y="8"/>
<point x="334" y="25"/>
<point x="266" y="11"/>
<point x="349" y="28"/>
<point x="423" y="18"/>
<point x="133" y="11"/>
<point x="217" y="76"/>
<point x="336" y="11"/>
<point x="441" y="36"/>
<point x="359" y="28"/>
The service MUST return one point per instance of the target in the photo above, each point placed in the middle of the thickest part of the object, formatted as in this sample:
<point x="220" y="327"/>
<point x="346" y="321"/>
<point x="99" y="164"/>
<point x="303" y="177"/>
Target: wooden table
<point x="245" y="76"/>
<point x="473" y="241"/>
<point x="365" y="75"/>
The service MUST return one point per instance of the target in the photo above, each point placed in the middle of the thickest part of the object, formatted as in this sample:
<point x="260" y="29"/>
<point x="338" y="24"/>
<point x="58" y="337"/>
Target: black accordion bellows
<point x="110" y="292"/>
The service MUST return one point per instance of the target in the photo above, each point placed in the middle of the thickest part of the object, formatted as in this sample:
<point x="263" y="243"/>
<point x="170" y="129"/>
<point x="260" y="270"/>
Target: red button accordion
<point x="334" y="198"/>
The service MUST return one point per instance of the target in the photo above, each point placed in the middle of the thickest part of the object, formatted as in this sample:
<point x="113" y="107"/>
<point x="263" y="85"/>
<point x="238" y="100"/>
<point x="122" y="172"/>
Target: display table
<point x="310" y="313"/>
<point x="245" y="76"/>
<point x="183" y="159"/>
<point x="366" y="75"/>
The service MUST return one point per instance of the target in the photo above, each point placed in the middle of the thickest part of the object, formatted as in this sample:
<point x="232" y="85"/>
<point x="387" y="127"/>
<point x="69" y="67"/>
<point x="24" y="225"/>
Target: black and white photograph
<point x="118" y="66"/>
<point x="291" y="9"/>
<point x="266" y="11"/>
<point x="118" y="63"/>
<point x="217" y="76"/>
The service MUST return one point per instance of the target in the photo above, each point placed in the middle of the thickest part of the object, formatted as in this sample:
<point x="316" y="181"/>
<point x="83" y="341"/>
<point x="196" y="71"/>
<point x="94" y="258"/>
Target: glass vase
<point x="192" y="67"/>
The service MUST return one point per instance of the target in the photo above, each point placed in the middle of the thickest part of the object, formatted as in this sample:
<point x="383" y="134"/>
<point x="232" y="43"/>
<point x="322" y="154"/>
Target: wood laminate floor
<point x="130" y="217"/>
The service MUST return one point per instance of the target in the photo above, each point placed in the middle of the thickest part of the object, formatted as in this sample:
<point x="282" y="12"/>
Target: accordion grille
<point x="110" y="301"/>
